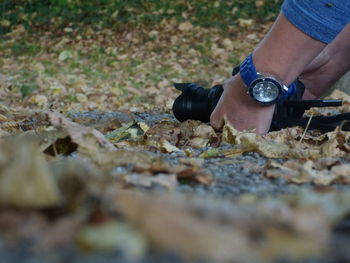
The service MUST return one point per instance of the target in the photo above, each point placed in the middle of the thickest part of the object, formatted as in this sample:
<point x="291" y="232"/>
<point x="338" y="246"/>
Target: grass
<point x="120" y="14"/>
<point x="25" y="49"/>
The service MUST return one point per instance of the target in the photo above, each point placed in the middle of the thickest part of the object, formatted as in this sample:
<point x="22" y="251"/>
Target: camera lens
<point x="195" y="102"/>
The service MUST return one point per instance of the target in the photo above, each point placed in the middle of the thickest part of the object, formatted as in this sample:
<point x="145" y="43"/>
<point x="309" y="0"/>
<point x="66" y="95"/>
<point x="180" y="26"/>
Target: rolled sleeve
<point x="320" y="19"/>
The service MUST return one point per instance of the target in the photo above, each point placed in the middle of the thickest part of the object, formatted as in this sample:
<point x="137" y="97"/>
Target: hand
<point x="240" y="110"/>
<point x="284" y="53"/>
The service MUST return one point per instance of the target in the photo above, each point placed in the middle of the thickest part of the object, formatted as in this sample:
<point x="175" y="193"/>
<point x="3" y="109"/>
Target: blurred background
<point x="115" y="54"/>
<point x="121" y="15"/>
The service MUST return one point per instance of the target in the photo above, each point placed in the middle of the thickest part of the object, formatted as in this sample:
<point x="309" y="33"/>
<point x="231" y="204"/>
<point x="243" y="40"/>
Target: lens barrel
<point x="195" y="102"/>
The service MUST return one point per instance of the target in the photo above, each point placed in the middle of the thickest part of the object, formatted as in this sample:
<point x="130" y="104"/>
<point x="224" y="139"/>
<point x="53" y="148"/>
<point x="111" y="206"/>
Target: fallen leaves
<point x="287" y="144"/>
<point x="165" y="155"/>
<point x="171" y="227"/>
<point x="320" y="172"/>
<point x="221" y="232"/>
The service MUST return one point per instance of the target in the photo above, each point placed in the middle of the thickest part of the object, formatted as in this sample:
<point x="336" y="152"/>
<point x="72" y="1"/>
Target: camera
<point x="197" y="103"/>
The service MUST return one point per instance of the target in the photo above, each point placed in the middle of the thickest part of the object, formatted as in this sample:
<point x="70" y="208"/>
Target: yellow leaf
<point x="167" y="147"/>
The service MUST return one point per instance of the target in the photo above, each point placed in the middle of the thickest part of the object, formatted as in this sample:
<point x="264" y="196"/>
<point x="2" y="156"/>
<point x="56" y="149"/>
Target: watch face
<point x="265" y="90"/>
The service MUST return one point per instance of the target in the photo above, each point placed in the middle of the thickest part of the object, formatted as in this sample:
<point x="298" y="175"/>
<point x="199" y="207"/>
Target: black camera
<point x="197" y="103"/>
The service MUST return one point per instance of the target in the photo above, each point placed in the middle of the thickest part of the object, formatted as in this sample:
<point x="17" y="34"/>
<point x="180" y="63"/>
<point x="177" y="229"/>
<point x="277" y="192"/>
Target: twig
<point x="307" y="126"/>
<point x="55" y="149"/>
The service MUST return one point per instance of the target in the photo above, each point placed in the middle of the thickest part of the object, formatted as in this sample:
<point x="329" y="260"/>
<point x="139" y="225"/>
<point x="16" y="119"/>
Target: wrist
<point x="276" y="69"/>
<point x="285" y="51"/>
<point x="263" y="88"/>
<point x="240" y="94"/>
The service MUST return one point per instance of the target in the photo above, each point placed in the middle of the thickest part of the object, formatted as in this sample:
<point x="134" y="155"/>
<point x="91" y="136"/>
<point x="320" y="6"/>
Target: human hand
<point x="236" y="107"/>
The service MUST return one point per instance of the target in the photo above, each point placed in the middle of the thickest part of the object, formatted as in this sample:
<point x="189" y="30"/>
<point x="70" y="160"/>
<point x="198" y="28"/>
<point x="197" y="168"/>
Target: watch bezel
<point x="266" y="79"/>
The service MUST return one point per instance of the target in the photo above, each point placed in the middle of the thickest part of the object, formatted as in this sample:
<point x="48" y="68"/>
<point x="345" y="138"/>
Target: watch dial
<point x="265" y="91"/>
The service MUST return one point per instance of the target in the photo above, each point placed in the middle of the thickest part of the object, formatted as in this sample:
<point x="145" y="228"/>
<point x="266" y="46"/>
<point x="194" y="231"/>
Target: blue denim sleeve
<point x="320" y="19"/>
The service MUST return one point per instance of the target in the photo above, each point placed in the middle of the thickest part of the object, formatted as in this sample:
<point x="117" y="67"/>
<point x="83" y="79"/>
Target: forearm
<point x="285" y="51"/>
<point x="327" y="67"/>
<point x="339" y="50"/>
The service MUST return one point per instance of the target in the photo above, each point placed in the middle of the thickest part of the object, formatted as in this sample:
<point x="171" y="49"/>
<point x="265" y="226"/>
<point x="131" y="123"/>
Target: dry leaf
<point x="166" y="131"/>
<point x="167" y="147"/>
<point x="25" y="178"/>
<point x="322" y="172"/>
<point x="171" y="227"/>
<point x="87" y="138"/>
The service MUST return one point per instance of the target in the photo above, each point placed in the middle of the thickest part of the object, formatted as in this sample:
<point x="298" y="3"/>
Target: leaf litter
<point x="115" y="173"/>
<point x="103" y="182"/>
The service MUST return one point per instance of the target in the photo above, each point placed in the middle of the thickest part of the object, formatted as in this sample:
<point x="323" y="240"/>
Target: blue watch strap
<point x="249" y="74"/>
<point x="292" y="88"/>
<point x="248" y="71"/>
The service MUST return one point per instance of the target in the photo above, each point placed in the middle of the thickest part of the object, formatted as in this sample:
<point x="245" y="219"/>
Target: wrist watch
<point x="263" y="89"/>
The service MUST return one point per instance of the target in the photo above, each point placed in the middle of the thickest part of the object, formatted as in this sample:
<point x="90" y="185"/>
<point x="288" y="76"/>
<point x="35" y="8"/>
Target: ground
<point x="94" y="167"/>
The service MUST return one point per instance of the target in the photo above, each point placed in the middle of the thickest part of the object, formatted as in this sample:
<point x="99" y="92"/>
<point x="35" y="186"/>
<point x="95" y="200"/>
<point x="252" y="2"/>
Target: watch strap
<point x="248" y="71"/>
<point x="291" y="89"/>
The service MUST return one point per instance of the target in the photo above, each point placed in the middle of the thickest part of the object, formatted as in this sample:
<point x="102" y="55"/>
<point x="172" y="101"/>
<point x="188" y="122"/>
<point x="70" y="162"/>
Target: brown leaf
<point x="88" y="139"/>
<point x="170" y="227"/>
<point x="203" y="135"/>
<point x="25" y="177"/>
<point x="162" y="133"/>
<point x="167" y="147"/>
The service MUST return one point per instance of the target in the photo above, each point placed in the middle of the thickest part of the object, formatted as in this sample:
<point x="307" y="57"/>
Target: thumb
<point x="216" y="120"/>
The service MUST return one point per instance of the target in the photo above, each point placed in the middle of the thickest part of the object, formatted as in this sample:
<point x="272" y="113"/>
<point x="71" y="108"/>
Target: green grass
<point x="26" y="89"/>
<point x="120" y="14"/>
<point x="24" y="49"/>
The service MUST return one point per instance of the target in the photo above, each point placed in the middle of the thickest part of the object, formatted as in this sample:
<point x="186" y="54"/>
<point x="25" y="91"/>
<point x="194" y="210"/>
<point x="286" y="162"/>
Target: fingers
<point x="216" y="120"/>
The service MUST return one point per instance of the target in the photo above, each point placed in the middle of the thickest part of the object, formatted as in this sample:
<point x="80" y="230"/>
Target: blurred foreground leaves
<point x="105" y="185"/>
